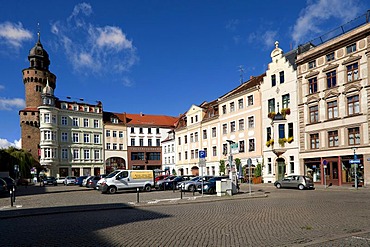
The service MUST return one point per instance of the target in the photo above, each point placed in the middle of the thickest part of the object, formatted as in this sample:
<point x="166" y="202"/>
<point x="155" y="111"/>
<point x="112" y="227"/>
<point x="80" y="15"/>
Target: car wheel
<point x="112" y="190"/>
<point x="211" y="190"/>
<point x="147" y="188"/>
<point x="301" y="186"/>
<point x="191" y="188"/>
<point x="278" y="186"/>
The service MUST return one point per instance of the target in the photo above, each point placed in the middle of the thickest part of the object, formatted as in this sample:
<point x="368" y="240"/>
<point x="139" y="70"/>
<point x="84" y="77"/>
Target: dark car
<point x="78" y="180"/>
<point x="209" y="187"/>
<point x="3" y="187"/>
<point x="50" y="181"/>
<point x="160" y="183"/>
<point x="172" y="183"/>
<point x="10" y="183"/>
<point x="295" y="181"/>
<point x="91" y="182"/>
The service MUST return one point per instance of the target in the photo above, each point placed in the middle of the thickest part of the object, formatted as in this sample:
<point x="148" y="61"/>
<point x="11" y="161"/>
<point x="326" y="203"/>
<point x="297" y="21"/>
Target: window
<point x="46" y="118"/>
<point x="96" y="139"/>
<point x="314" y="140"/>
<point x="179" y="155"/>
<point x="158" y="142"/>
<point x="132" y="130"/>
<point x="285" y="100"/>
<point x="290" y="129"/>
<point x="224" y="149"/>
<point x="333" y="138"/>
<point x="353" y="105"/>
<point x="241" y="147"/>
<point x="141" y="130"/>
<point x="64" y="136"/>
<point x="97" y="154"/>
<point x="224" y="129"/>
<point x="251" y="145"/>
<point x="137" y="156"/>
<point x="192" y="154"/>
<point x="86" y="154"/>
<point x="196" y="153"/>
<point x="86" y="122"/>
<point x="141" y="142"/>
<point x="291" y="162"/>
<point x="214" y="151"/>
<point x="76" y="154"/>
<point x="273" y="80"/>
<point x="107" y="133"/>
<point x="331" y="79"/>
<point x="186" y="155"/>
<point x="351" y="48"/>
<point x="269" y="166"/>
<point x="179" y="140"/>
<point x="204" y="134"/>
<point x="86" y="138"/>
<point x="54" y="118"/>
<point x="330" y="57"/>
<point x="312" y="64"/>
<point x="114" y="146"/>
<point x="47" y="153"/>
<point x="47" y="135"/>
<point x="281" y="75"/>
<point x="120" y="134"/>
<point x="114" y="120"/>
<point x="75" y="137"/>
<point x="268" y="133"/>
<point x="241" y="124"/>
<point x="224" y="109"/>
<point x="314" y="114"/>
<point x="132" y="142"/>
<point x="64" y="154"/>
<point x="157" y="131"/>
<point x="196" y="136"/>
<point x="75" y="108"/>
<point x="150" y="142"/>
<point x="114" y="133"/>
<point x="96" y="123"/>
<point x="186" y="139"/>
<point x="271" y="105"/>
<point x="281" y="131"/>
<point x="191" y="137"/>
<point x="354" y="136"/>
<point x="332" y="109"/>
<point x="250" y="100"/>
<point x="240" y="103"/>
<point x="251" y="122"/>
<point x="232" y="107"/>
<point x="172" y="148"/>
<point x="205" y="151"/>
<point x="149" y="130"/>
<point x="352" y="72"/>
<point x="232" y="126"/>
<point x="214" y="132"/>
<point x="196" y="118"/>
<point x="312" y="84"/>
<point x="64" y="121"/>
<point x="108" y="145"/>
<point x="191" y="120"/>
<point x="75" y="121"/>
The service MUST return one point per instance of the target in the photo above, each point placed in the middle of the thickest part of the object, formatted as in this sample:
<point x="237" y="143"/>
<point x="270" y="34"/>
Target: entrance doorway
<point x="281" y="168"/>
<point x="331" y="172"/>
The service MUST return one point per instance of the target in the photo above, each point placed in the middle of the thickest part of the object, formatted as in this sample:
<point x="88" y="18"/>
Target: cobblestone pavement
<point x="65" y="216"/>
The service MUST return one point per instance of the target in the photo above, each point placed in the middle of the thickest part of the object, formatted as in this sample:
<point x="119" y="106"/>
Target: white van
<point x="127" y="179"/>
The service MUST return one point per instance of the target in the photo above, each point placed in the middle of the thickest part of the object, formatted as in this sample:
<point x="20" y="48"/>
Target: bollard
<point x="180" y="193"/>
<point x="13" y="193"/>
<point x="137" y="195"/>
<point x="193" y="192"/>
<point x="11" y="197"/>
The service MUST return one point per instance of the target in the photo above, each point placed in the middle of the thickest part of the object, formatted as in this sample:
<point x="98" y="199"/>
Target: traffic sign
<point x="249" y="161"/>
<point x="324" y="162"/>
<point x="357" y="161"/>
<point x="234" y="148"/>
<point x="202" y="154"/>
<point x="202" y="162"/>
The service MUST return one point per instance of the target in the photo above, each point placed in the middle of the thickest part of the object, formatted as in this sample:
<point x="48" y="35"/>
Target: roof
<point x="150" y="120"/>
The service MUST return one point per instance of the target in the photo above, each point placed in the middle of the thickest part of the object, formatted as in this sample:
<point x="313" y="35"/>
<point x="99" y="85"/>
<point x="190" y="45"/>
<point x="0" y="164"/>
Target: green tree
<point x="222" y="167"/>
<point x="258" y="170"/>
<point x="13" y="156"/>
<point x="238" y="163"/>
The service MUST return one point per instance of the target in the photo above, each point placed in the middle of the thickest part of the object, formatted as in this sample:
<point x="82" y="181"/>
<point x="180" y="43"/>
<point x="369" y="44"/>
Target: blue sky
<point x="155" y="57"/>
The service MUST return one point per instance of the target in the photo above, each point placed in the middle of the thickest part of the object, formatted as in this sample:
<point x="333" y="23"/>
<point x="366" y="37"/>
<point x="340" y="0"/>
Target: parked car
<point x="160" y="177"/>
<point x="79" y="180"/>
<point x="22" y="181"/>
<point x="92" y="181"/>
<point x="159" y="183"/>
<point x="84" y="181"/>
<point x="192" y="184"/>
<point x="295" y="181"/>
<point x="60" y="180"/>
<point x="10" y="183"/>
<point x="69" y="180"/>
<point x="3" y="187"/>
<point x="210" y="186"/>
<point x="172" y="183"/>
<point x="50" y="181"/>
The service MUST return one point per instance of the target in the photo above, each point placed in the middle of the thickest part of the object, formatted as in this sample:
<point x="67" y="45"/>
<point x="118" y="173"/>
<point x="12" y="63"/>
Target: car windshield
<point x="111" y="175"/>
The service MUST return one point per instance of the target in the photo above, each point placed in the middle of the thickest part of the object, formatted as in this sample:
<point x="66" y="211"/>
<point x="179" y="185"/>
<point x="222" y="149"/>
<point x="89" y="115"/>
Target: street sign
<point x="368" y="159"/>
<point x="324" y="162"/>
<point x="202" y="162"/>
<point x="234" y="148"/>
<point x="357" y="161"/>
<point x="202" y="154"/>
<point x="249" y="162"/>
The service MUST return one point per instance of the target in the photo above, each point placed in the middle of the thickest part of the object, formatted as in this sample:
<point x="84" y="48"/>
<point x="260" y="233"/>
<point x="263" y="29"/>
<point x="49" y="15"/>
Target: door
<point x="332" y="173"/>
<point x="122" y="181"/>
<point x="280" y="168"/>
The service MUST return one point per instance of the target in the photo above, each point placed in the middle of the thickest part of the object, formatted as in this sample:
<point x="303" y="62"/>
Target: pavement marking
<point x="361" y="238"/>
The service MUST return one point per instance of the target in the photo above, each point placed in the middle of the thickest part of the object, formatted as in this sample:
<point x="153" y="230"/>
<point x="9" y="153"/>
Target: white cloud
<point x="232" y="25"/>
<point x="2" y="87"/>
<point x="4" y="143"/>
<point x="266" y="38"/>
<point x="13" y="34"/>
<point x="94" y="49"/>
<point x="316" y="13"/>
<point x="127" y="82"/>
<point x="10" y="104"/>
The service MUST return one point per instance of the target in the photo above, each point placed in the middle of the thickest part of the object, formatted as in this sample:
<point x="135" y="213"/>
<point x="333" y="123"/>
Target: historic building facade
<point x="333" y="104"/>
<point x="280" y="117"/>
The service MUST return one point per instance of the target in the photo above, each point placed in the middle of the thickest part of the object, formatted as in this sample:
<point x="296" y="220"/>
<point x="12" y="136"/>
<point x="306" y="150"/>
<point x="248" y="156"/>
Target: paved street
<point x="65" y="216"/>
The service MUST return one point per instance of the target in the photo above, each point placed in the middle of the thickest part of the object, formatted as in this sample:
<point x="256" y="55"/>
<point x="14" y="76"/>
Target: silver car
<point x="295" y="181"/>
<point x="192" y="185"/>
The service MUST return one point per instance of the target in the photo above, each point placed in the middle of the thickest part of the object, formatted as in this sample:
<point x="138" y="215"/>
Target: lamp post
<point x="355" y="164"/>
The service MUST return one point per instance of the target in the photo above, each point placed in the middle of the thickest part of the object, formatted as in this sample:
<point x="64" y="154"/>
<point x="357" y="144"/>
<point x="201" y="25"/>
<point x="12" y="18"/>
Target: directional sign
<point x="202" y="154"/>
<point x="234" y="148"/>
<point x="355" y="161"/>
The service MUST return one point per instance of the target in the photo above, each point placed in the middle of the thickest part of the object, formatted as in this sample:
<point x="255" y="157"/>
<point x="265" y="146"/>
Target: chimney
<point x="251" y="77"/>
<point x="141" y="114"/>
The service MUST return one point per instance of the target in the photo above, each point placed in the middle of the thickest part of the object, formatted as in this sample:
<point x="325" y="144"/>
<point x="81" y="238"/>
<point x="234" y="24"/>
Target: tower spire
<point x="38" y="33"/>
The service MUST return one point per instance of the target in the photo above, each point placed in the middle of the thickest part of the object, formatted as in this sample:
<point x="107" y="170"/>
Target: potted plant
<point x="290" y="139"/>
<point x="285" y="111"/>
<point x="282" y="141"/>
<point x="270" y="142"/>
<point x="271" y="115"/>
<point x="257" y="179"/>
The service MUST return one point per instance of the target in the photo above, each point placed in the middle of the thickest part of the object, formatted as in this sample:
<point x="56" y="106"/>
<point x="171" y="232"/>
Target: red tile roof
<point x="150" y="120"/>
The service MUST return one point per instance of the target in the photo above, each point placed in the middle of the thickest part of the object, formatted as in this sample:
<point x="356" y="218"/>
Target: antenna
<point x="241" y="70"/>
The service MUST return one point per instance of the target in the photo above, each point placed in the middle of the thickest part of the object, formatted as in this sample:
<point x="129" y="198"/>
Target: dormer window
<point x="75" y="108"/>
<point x="114" y="120"/>
<point x="351" y="48"/>
<point x="312" y="64"/>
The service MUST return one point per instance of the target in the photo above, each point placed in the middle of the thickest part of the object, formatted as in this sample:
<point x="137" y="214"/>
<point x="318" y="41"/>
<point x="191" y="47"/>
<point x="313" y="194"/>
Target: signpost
<point x="355" y="161"/>
<point x="249" y="162"/>
<point x="325" y="162"/>
<point x="202" y="163"/>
